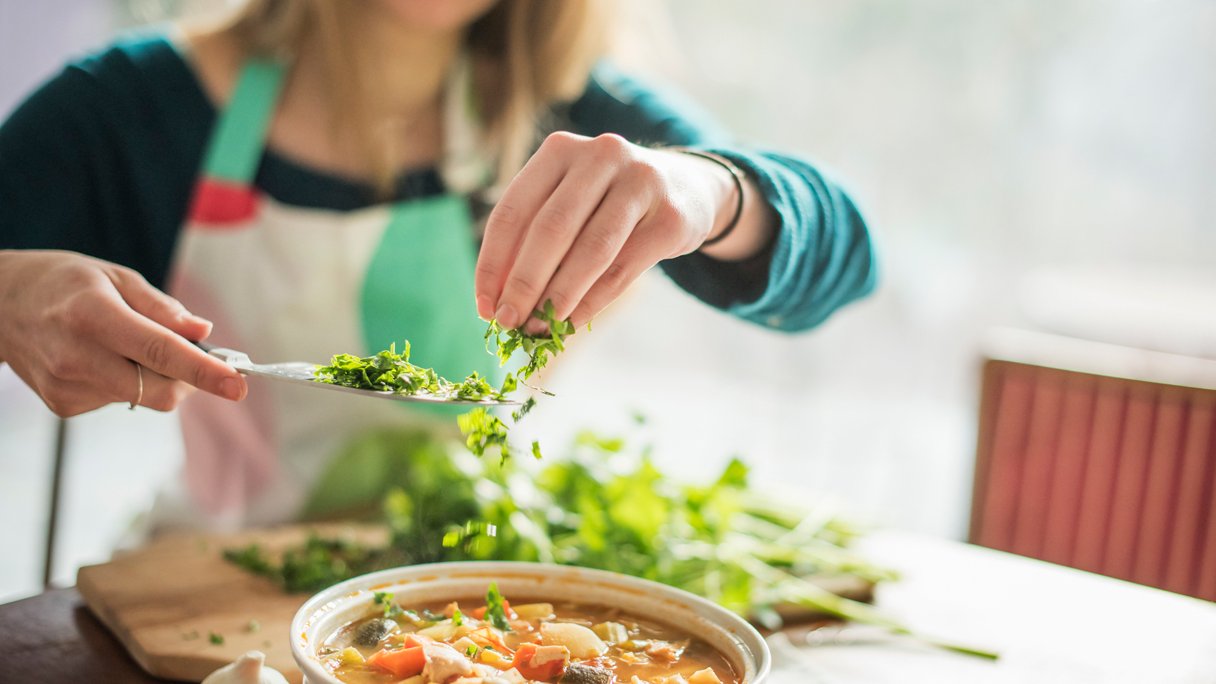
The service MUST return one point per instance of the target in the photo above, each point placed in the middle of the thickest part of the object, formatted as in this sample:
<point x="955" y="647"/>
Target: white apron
<point x="287" y="283"/>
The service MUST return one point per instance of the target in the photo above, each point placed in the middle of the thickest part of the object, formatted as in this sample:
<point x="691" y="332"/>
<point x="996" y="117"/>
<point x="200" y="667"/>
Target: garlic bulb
<point x="248" y="669"/>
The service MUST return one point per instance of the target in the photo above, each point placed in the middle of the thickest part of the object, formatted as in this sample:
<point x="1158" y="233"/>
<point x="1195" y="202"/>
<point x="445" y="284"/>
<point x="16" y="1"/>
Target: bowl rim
<point x="333" y="597"/>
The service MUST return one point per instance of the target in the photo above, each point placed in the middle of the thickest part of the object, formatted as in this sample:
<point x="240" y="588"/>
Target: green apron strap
<point x="240" y="133"/>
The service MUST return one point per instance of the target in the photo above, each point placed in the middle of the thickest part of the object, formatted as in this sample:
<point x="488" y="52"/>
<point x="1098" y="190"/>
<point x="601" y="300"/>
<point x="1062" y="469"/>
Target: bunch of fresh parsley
<point x="606" y="506"/>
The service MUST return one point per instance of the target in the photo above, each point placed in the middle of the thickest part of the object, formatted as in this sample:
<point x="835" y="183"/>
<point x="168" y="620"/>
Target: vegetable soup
<point x="493" y="641"/>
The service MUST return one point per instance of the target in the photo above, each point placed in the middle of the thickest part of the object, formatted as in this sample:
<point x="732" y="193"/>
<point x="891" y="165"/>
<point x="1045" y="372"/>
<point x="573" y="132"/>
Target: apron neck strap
<point x="240" y="133"/>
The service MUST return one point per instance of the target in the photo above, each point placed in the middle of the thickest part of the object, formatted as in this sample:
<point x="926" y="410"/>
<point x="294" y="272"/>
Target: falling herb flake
<point x="518" y="414"/>
<point x="483" y="430"/>
<point x="216" y="638"/>
<point x="496" y="612"/>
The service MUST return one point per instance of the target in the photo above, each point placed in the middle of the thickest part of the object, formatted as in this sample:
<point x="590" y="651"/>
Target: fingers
<point x="552" y="233"/>
<point x="133" y="336"/>
<point x="119" y="379"/>
<point x="158" y="306"/>
<point x="109" y="378"/>
<point x="594" y="250"/>
<point x="160" y="393"/>
<point x="580" y="223"/>
<point x="511" y="217"/>
<point x="628" y="266"/>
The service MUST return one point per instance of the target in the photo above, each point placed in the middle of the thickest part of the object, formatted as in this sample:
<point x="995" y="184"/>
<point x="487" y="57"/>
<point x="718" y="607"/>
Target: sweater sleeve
<point x="821" y="257"/>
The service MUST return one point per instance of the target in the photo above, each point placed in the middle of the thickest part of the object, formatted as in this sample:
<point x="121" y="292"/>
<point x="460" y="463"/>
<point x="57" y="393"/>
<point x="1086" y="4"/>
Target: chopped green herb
<point x="496" y="612"/>
<point x="216" y="638"/>
<point x="536" y="450"/>
<point x="483" y="430"/>
<point x="457" y="617"/>
<point x="389" y="371"/>
<point x="471" y="651"/>
<point x="523" y="410"/>
<point x="385" y="599"/>
<point x="539" y="348"/>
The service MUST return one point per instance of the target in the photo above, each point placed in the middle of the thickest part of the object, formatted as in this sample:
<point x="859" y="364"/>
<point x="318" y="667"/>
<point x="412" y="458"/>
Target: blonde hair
<point x="536" y="53"/>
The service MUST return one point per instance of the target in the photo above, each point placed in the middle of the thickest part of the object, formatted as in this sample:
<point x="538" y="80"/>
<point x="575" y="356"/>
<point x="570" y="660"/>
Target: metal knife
<point x="302" y="373"/>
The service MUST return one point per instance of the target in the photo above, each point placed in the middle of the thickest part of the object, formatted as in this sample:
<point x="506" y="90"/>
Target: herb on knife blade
<point x="388" y="371"/>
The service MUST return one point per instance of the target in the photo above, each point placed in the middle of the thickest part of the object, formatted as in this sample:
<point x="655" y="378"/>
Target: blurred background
<point x="1040" y="164"/>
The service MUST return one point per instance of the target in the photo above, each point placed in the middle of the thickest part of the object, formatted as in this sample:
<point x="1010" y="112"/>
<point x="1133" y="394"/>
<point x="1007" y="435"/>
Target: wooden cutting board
<point x="163" y="601"/>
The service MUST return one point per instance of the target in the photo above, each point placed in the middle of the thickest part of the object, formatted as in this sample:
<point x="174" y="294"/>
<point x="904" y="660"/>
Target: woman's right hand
<point x="73" y="328"/>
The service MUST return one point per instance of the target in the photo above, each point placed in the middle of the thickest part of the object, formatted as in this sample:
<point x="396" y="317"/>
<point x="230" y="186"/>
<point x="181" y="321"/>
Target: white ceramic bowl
<point x="329" y="610"/>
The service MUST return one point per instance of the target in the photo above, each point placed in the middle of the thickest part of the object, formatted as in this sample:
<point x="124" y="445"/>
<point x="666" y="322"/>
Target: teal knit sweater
<point x="102" y="159"/>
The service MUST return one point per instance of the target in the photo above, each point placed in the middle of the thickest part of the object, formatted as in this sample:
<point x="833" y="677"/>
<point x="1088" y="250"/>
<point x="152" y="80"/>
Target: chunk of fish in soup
<point x="496" y="641"/>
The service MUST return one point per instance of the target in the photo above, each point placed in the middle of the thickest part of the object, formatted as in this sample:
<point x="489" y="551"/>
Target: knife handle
<point x="237" y="359"/>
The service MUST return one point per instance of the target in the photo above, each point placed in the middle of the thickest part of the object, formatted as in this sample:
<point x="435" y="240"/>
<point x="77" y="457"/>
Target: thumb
<point x="158" y="306"/>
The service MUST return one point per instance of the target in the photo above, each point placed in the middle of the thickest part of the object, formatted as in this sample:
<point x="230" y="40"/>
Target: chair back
<point x="1099" y="457"/>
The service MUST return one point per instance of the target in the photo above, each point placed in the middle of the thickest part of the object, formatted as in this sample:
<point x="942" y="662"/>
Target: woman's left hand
<point x="587" y="216"/>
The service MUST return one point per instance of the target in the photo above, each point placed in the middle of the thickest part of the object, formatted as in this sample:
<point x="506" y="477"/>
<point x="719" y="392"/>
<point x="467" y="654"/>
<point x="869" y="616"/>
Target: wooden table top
<point x="53" y="638"/>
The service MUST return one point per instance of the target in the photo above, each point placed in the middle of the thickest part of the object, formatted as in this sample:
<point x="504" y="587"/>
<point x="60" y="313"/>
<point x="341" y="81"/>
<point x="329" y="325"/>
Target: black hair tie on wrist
<point x="736" y="175"/>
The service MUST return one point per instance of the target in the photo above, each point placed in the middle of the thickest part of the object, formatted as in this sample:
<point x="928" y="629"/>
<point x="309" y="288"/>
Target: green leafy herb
<point x="539" y="348"/>
<point x="457" y="617"/>
<point x="319" y="562"/>
<point x="385" y="599"/>
<point x="496" y="612"/>
<point x="607" y="506"/>
<point x="483" y="430"/>
<point x="471" y="651"/>
<point x="216" y="639"/>
<point x="388" y="371"/>
<point x="518" y="414"/>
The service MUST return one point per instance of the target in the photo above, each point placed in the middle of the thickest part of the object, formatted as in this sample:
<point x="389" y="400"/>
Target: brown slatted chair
<point x="1099" y="457"/>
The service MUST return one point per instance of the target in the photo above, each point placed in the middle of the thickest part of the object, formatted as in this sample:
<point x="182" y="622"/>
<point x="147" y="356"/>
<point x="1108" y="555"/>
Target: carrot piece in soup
<point x="401" y="664"/>
<point x="541" y="663"/>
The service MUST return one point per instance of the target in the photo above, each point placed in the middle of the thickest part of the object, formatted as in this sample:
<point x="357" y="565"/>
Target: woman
<point x="311" y="177"/>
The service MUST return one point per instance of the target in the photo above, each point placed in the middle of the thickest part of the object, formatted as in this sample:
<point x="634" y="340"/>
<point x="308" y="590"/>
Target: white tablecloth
<point x="1049" y="623"/>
